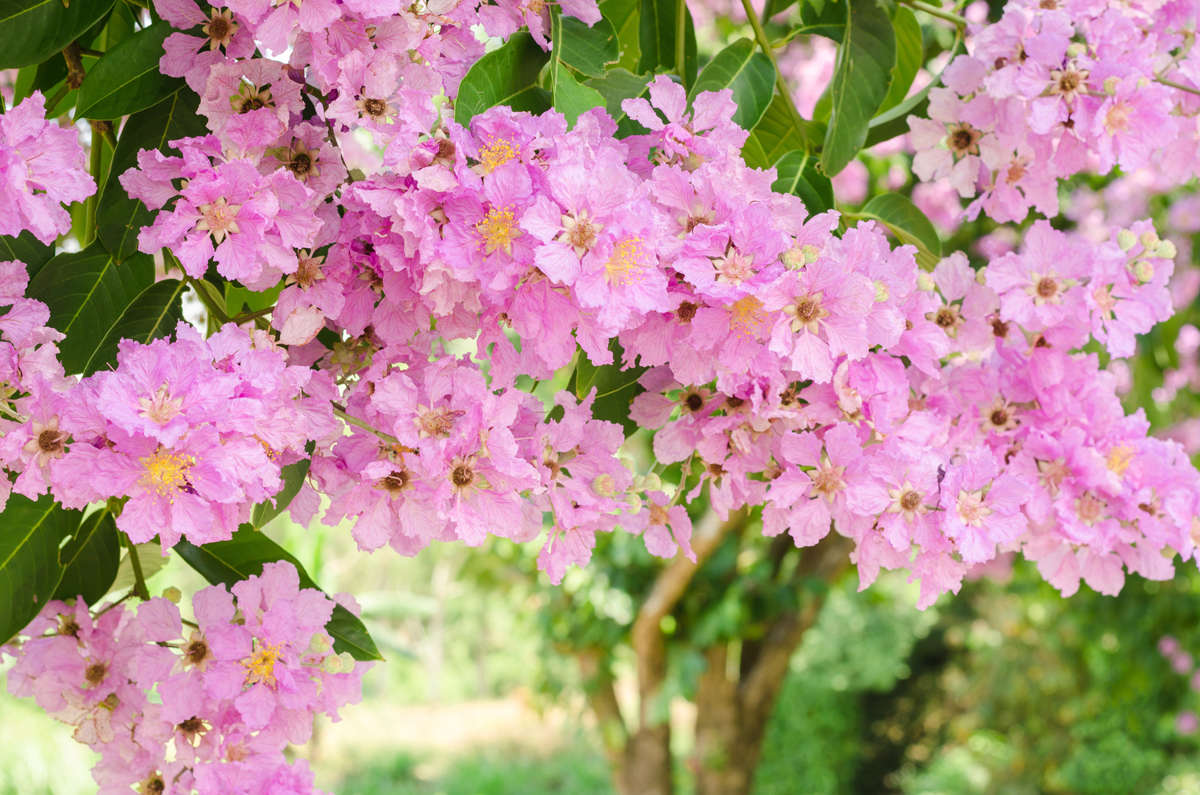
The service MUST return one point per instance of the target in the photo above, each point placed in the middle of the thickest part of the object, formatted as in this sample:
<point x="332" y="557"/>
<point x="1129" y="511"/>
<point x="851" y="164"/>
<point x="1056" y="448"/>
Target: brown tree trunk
<point x="646" y="766"/>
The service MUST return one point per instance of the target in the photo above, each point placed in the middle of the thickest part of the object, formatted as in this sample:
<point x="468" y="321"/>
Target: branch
<point x="764" y="44"/>
<point x="681" y="39"/>
<point x="760" y="686"/>
<point x="668" y="589"/>
<point x="959" y="22"/>
<point x="602" y="697"/>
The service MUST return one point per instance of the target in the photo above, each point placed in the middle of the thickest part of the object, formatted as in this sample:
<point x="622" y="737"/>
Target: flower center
<point x="746" y="315"/>
<point x="910" y="500"/>
<point x="498" y="229"/>
<point x="395" y="482"/>
<point x="50" y="441"/>
<point x="377" y="109"/>
<point x="152" y="785"/>
<point x="496" y="153"/>
<point x="963" y="140"/>
<point x="971" y="508"/>
<point x="462" y="476"/>
<point x="166" y="472"/>
<point x="438" y="421"/>
<point x="196" y="651"/>
<point x="581" y="232"/>
<point x="219" y="218"/>
<point x="250" y="97"/>
<point x="260" y="666"/>
<point x="806" y="313"/>
<point x="686" y="311"/>
<point x="1119" y="459"/>
<point x="161" y="408"/>
<point x="308" y="270"/>
<point x="95" y="673"/>
<point x="219" y="28"/>
<point x="694" y="401"/>
<point x="828" y="480"/>
<point x="625" y="264"/>
<point x="1047" y="288"/>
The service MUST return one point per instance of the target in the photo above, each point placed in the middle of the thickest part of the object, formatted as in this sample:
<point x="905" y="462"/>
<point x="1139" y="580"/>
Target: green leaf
<point x="151" y="559"/>
<point x="587" y="51"/>
<point x="798" y="174"/>
<point x="616" y="387"/>
<point x="90" y="559"/>
<point x="860" y="83"/>
<point x="293" y="478"/>
<point x="624" y="16"/>
<point x="96" y="302"/>
<point x="120" y="216"/>
<point x="910" y="55"/>
<point x="228" y="562"/>
<point x="776" y="7"/>
<point x="33" y="30"/>
<point x="745" y="70"/>
<point x="657" y="30"/>
<point x="30" y="535"/>
<point x="28" y="249"/>
<point x="571" y="98"/>
<point x="238" y="299"/>
<point x="506" y="76"/>
<point x="615" y="87"/>
<point x="127" y="78"/>
<point x="907" y="223"/>
<point x="776" y="134"/>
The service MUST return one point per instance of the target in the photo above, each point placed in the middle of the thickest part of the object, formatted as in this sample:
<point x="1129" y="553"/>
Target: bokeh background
<point x="1005" y="688"/>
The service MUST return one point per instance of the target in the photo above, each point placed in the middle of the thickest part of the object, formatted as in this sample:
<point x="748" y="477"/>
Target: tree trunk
<point x="646" y="765"/>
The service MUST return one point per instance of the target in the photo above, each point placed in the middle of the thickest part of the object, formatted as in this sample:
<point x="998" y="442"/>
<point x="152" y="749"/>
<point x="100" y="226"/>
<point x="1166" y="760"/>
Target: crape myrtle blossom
<point x="231" y="690"/>
<point x="41" y="167"/>
<point x="1053" y="89"/>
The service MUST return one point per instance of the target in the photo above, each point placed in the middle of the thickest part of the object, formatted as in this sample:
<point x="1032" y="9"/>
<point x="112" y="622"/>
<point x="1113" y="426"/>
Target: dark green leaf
<point x="798" y="174"/>
<point x="90" y="559"/>
<point x="506" y="76"/>
<point x="615" y="87"/>
<point x="293" y="478"/>
<point x="33" y="30"/>
<point x="910" y="54"/>
<point x="624" y="15"/>
<point x="907" y="223"/>
<point x="120" y="216"/>
<point x="30" y="535"/>
<point x="28" y="249"/>
<point x="96" y="302"/>
<point x="587" y="51"/>
<point x="227" y="562"/>
<point x="777" y="6"/>
<point x="860" y="83"/>
<point x="615" y="387"/>
<point x="127" y="78"/>
<point x="571" y="98"/>
<point x="657" y="30"/>
<point x="776" y="134"/>
<point x="745" y="70"/>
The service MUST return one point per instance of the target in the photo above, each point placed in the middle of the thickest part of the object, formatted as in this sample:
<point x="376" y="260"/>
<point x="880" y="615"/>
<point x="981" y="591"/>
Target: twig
<point x="933" y="11"/>
<point x="681" y="39"/>
<point x="139" y="578"/>
<point x="764" y="44"/>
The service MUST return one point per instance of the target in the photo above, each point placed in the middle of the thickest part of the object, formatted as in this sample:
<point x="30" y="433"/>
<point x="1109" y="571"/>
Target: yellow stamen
<point x="498" y="230"/>
<point x="746" y="315"/>
<point x="166" y="472"/>
<point x="1119" y="459"/>
<point x="260" y="666"/>
<point x="625" y="266"/>
<point x="496" y="153"/>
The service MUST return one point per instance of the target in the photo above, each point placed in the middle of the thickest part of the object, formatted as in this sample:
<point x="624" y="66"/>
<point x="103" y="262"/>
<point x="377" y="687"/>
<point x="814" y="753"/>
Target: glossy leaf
<point x="798" y="174"/>
<point x="227" y="562"/>
<point x="33" y="30"/>
<point x="907" y="223"/>
<point x="293" y="479"/>
<point x="151" y="561"/>
<point x="30" y="535"/>
<point x="121" y="217"/>
<point x="624" y="16"/>
<point x="28" y="249"/>
<point x="587" y="51"/>
<point x="127" y="78"/>
<point x="96" y="302"/>
<point x="748" y="73"/>
<point x="910" y="54"/>
<point x="571" y="98"/>
<point x="616" y="387"/>
<point x="615" y="87"/>
<point x="861" y="80"/>
<point x="657" y="30"/>
<point x="90" y="559"/>
<point x="776" y="134"/>
<point x="506" y="76"/>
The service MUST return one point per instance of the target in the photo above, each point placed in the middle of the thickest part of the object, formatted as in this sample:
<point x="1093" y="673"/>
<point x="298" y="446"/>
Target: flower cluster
<point x="188" y="435"/>
<point x="1056" y="88"/>
<point x="41" y="166"/>
<point x="208" y="708"/>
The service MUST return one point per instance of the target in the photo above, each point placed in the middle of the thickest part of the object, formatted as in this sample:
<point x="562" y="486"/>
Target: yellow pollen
<point x="1119" y="459"/>
<point x="260" y="666"/>
<point x="496" y="153"/>
<point x="166" y="472"/>
<point x="498" y="229"/>
<point x="624" y="266"/>
<point x="746" y="315"/>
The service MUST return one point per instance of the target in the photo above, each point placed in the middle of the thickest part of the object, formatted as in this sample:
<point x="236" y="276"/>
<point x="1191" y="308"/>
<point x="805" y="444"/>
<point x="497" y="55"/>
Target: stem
<point x="210" y="303"/>
<point x="1179" y="86"/>
<point x="111" y="605"/>
<point x="340" y="411"/>
<point x="934" y="11"/>
<point x="681" y="39"/>
<point x="90" y="206"/>
<point x="139" y="578"/>
<point x="764" y="44"/>
<point x="245" y="316"/>
<point x="52" y="103"/>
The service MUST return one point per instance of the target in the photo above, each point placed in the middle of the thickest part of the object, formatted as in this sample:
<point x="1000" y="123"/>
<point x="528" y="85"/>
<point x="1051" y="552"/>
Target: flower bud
<point x="1126" y="239"/>
<point x="1110" y="85"/>
<point x="1149" y="239"/>
<point x="1143" y="271"/>
<point x="1166" y="250"/>
<point x="925" y="282"/>
<point x="172" y="594"/>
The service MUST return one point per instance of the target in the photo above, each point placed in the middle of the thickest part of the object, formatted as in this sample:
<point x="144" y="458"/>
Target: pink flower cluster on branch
<point x="1057" y="88"/>
<point x="207" y="708"/>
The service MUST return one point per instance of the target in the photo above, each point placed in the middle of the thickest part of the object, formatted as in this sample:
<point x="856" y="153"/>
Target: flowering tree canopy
<point x="531" y="270"/>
